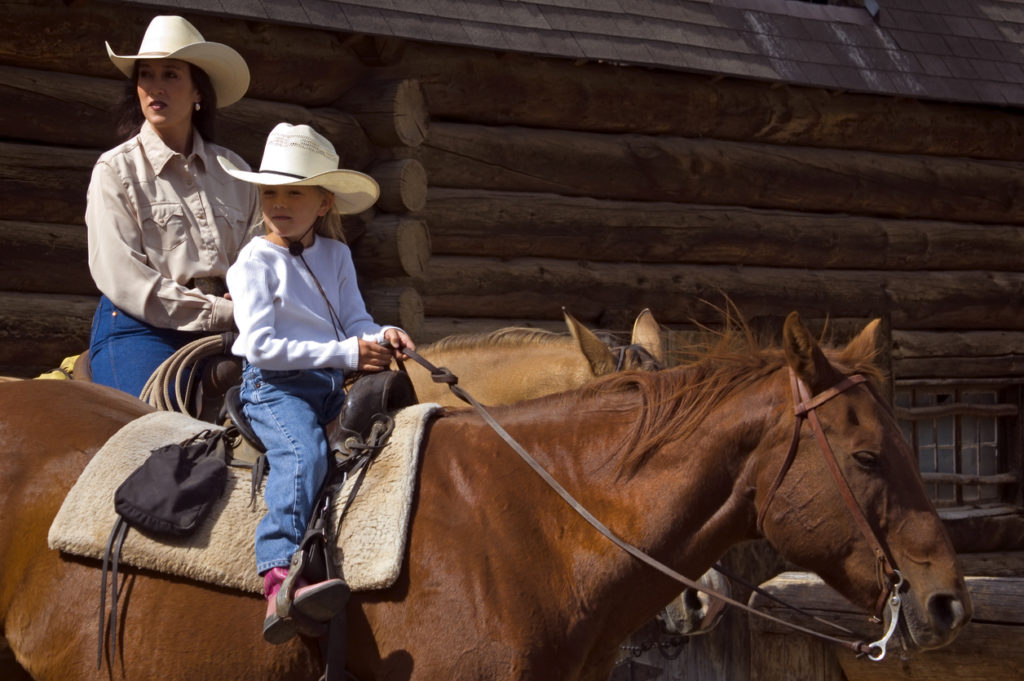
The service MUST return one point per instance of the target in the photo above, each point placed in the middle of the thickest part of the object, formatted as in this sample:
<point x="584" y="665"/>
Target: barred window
<point x="967" y="436"/>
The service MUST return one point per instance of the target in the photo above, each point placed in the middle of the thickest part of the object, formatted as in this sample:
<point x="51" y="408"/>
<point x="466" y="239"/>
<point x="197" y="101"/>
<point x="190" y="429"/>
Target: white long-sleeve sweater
<point x="282" y="318"/>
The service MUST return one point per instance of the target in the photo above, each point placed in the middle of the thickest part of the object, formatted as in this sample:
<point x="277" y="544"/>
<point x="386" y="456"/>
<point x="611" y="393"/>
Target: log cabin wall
<point x="59" y="91"/>
<point x="598" y="187"/>
<point x="516" y="185"/>
<point x="621" y="188"/>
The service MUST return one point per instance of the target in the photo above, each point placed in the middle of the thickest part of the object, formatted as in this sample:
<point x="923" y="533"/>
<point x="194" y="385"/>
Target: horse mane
<point x="512" y="336"/>
<point x="677" y="400"/>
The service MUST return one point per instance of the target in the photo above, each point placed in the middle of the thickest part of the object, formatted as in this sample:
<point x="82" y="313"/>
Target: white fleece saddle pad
<point x="371" y="539"/>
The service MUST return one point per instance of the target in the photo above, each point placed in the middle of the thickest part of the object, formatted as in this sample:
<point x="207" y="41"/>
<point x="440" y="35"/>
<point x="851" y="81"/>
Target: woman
<point x="164" y="219"/>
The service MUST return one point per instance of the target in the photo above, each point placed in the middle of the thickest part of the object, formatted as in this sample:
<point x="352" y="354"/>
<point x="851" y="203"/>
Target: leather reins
<point x="804" y="407"/>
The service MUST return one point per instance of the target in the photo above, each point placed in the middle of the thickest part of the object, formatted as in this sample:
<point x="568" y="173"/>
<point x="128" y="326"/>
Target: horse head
<point x="645" y="351"/>
<point x="897" y="545"/>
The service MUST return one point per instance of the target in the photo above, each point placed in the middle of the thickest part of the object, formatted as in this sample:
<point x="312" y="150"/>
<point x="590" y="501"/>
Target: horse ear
<point x="866" y="346"/>
<point x="804" y="355"/>
<point x="647" y="334"/>
<point x="600" y="357"/>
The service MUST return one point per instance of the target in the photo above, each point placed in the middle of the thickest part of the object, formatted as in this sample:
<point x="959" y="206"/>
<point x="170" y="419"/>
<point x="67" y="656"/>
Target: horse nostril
<point x="947" y="611"/>
<point x="692" y="600"/>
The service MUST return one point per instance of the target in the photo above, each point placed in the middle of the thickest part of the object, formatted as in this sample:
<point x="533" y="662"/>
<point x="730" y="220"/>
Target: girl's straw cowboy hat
<point x="172" y="37"/>
<point x="298" y="155"/>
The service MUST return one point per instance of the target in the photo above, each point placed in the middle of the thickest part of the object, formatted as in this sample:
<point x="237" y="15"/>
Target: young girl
<point x="302" y="325"/>
<point x="164" y="220"/>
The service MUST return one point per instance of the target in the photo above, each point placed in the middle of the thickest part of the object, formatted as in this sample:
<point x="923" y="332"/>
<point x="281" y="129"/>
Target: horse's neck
<point x="684" y="504"/>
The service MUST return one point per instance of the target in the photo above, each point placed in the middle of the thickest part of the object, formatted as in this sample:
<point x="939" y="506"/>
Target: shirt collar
<point x="159" y="154"/>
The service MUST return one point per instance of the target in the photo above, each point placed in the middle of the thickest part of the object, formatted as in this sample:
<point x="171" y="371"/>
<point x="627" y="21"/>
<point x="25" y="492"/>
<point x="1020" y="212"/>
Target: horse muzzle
<point x="936" y="622"/>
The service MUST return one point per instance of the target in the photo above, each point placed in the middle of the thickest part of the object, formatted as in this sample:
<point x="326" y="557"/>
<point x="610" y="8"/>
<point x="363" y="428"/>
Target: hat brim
<point x="353" y="191"/>
<point x="228" y="72"/>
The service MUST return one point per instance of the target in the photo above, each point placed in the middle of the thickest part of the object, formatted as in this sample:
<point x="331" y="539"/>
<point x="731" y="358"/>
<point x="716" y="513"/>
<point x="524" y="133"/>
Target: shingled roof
<point x="953" y="50"/>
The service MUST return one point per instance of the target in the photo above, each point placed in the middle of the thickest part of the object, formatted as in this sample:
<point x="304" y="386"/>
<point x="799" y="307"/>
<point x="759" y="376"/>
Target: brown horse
<point x="503" y="580"/>
<point x="513" y="364"/>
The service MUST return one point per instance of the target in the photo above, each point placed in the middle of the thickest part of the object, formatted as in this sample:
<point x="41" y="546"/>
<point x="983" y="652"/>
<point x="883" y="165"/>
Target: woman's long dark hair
<point x="130" y="117"/>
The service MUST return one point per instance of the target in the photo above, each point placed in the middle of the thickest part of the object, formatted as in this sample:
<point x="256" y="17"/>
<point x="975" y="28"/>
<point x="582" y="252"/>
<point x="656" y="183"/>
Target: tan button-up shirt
<point x="158" y="221"/>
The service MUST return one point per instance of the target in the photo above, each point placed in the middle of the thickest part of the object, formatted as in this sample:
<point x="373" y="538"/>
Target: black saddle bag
<point x="168" y="495"/>
<point x="173" y="490"/>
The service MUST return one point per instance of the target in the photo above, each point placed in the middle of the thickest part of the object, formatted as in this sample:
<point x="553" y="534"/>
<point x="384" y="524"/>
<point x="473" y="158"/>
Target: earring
<point x="197" y="106"/>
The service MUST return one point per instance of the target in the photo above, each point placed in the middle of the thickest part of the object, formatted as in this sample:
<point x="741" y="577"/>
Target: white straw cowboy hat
<point x="171" y="37"/>
<point x="299" y="155"/>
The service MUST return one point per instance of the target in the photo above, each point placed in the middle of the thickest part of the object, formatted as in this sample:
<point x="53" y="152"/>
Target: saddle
<point x="368" y="396"/>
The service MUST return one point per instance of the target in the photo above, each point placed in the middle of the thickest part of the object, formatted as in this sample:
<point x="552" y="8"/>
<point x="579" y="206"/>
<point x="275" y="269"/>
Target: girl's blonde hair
<point x="329" y="226"/>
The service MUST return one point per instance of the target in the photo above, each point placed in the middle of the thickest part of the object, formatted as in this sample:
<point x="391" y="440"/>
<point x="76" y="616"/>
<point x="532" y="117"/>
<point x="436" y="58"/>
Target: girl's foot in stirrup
<point x="323" y="600"/>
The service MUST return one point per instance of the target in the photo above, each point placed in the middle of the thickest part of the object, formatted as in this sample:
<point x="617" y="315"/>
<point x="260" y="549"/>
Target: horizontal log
<point x="995" y="599"/>
<point x="68" y="37"/>
<point x="961" y="368"/>
<point x="958" y="354"/>
<point x="400" y="306"/>
<point x="974" y="530"/>
<point x="37" y="331"/>
<point x="456" y="286"/>
<point x="988" y="649"/>
<point x="43" y="183"/>
<point x="393" y="112"/>
<point x="403" y="185"/>
<point x="393" y="246"/>
<point x="648" y="168"/>
<point x="38" y="105"/>
<point x="998" y="564"/>
<point x="908" y="344"/>
<point x="465" y="221"/>
<point x="963" y="479"/>
<point x="45" y="258"/>
<point x="501" y="88"/>
<point x="955" y="408"/>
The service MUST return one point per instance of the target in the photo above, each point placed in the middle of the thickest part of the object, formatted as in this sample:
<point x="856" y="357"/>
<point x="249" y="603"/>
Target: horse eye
<point x="866" y="459"/>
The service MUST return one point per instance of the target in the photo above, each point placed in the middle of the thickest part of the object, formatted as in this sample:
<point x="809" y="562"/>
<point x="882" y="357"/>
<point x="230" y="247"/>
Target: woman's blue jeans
<point x="288" y="410"/>
<point x="124" y="351"/>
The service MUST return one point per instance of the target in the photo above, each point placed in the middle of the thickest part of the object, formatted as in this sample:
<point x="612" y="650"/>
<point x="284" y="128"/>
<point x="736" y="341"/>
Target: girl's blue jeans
<point x="124" y="351"/>
<point x="288" y="410"/>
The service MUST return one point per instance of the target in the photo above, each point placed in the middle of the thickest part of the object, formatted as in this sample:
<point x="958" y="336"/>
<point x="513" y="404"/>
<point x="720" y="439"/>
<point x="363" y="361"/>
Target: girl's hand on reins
<point x="398" y="339"/>
<point x="373" y="356"/>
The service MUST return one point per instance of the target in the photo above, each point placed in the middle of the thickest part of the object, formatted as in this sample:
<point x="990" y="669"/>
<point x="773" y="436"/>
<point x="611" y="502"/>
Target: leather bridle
<point x="804" y="406"/>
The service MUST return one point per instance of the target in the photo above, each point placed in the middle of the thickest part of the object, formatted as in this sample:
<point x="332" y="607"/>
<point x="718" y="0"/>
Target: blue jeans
<point x="124" y="351"/>
<point x="288" y="410"/>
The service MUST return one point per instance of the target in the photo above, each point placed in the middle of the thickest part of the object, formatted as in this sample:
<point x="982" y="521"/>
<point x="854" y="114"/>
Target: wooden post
<point x="403" y="185"/>
<point x="393" y="112"/>
<point x="393" y="246"/>
<point x="397" y="305"/>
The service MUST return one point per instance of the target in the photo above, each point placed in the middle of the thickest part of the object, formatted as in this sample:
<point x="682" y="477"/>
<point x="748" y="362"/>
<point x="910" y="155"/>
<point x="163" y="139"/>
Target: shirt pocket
<point x="164" y="226"/>
<point x="228" y="217"/>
